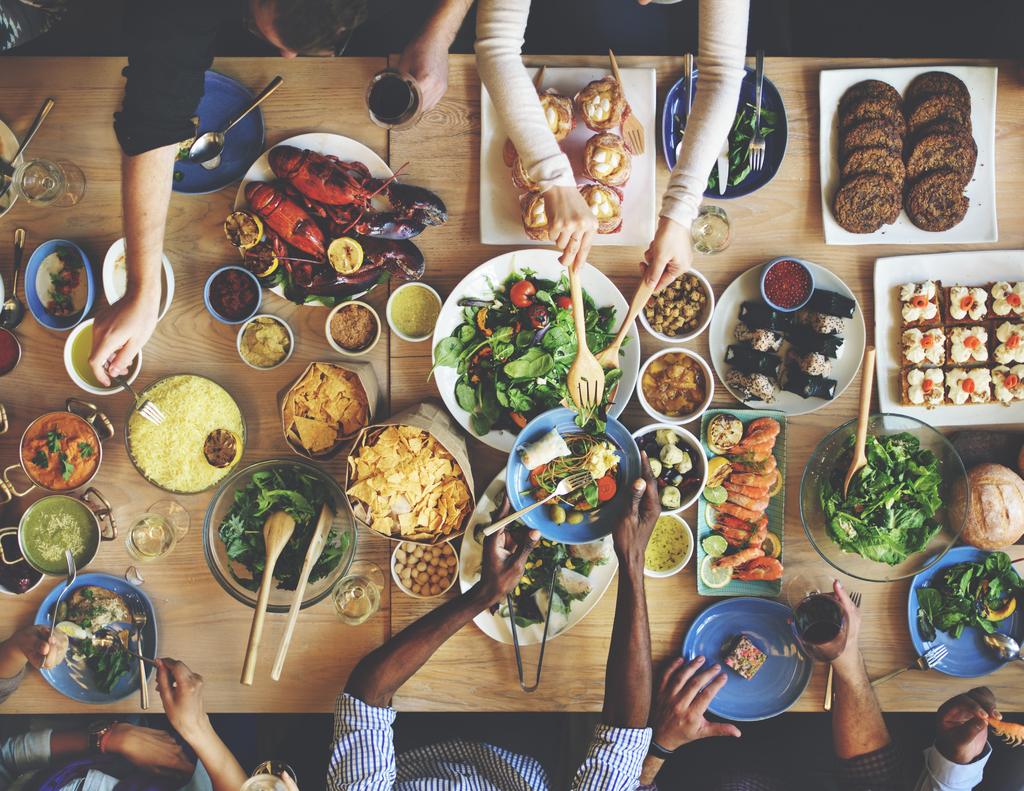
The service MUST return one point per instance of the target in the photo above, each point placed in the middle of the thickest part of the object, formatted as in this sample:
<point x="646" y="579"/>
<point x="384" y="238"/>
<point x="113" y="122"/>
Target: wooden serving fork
<point x="609" y="358"/>
<point x="586" y="376"/>
<point x="632" y="129"/>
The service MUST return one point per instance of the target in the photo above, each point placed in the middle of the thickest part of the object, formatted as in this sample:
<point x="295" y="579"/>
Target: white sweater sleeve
<point x="722" y="47"/>
<point x="500" y="25"/>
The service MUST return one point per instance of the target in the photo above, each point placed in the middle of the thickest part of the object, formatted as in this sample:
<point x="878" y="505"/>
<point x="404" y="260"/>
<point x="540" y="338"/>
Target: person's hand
<point x="425" y="59"/>
<point x="119" y="333"/>
<point x="503" y="563"/>
<point x="40" y="648"/>
<point x="149" y="749"/>
<point x="634" y="531"/>
<point x="962" y="726"/>
<point x="850" y="660"/>
<point x="669" y="255"/>
<point x="683" y="697"/>
<point x="181" y="692"/>
<point x="571" y="224"/>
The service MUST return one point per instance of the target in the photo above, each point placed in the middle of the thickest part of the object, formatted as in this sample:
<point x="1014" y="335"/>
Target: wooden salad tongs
<point x="586" y="376"/>
<point x="277" y="530"/>
<point x="609" y="358"/>
<point x="867" y="381"/>
<point x="313" y="552"/>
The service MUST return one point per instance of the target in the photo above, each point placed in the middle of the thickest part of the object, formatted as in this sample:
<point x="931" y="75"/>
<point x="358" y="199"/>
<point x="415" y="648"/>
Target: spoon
<point x="867" y="382"/>
<point x="276" y="531"/>
<point x="72" y="574"/>
<point x="1004" y="647"/>
<point x="207" y="148"/>
<point x="7" y="168"/>
<point x="13" y="310"/>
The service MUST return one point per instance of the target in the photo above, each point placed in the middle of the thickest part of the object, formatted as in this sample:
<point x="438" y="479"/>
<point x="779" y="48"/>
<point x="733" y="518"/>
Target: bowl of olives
<point x="678" y="463"/>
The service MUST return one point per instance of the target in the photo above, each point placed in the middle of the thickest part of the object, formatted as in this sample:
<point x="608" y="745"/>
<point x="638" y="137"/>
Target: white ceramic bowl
<point x="686" y="558"/>
<point x="709" y="378"/>
<point x="693" y="444"/>
<point x="76" y="377"/>
<point x="113" y="288"/>
<point x="407" y="591"/>
<point x="709" y="309"/>
<point x="391" y="300"/>
<point x="279" y="320"/>
<point x="334" y="344"/>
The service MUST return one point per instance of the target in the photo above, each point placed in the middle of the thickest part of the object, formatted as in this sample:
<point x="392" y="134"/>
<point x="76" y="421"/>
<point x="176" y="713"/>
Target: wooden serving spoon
<point x="276" y="531"/>
<point x="586" y="376"/>
<point x="609" y="358"/>
<point x="867" y="372"/>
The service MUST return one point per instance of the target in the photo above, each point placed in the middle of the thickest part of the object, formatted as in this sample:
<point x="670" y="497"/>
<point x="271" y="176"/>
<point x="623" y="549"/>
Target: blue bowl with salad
<point x="893" y="524"/>
<point x="609" y="452"/>
<point x="743" y="180"/>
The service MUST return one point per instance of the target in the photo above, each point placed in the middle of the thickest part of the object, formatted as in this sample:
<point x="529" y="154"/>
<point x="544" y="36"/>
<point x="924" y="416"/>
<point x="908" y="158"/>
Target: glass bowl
<point x="226" y="571"/>
<point x="831" y="458"/>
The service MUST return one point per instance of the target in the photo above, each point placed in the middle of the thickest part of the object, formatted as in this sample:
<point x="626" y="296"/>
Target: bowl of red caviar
<point x="786" y="284"/>
<point x="232" y="295"/>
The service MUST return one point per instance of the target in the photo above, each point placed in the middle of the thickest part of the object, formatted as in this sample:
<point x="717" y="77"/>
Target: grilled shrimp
<point x="731" y="521"/>
<point x="1012" y="732"/>
<point x="750" y="480"/>
<point x="740" y="558"/>
<point x="767" y="426"/>
<point x="765" y="467"/>
<point x="766" y="569"/>
<point x="757" y="492"/>
<point x="732" y="509"/>
<point x="735" y="537"/>
<point x="759" y="535"/>
<point x="759" y="505"/>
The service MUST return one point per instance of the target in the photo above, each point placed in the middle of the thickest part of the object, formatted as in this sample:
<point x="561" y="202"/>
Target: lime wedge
<point x="715" y="494"/>
<point x="714" y="546"/>
<point x="712" y="576"/>
<point x="710" y="515"/>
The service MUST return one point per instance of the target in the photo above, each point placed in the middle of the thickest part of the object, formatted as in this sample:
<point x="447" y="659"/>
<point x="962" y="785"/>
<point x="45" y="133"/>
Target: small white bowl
<point x="279" y="320"/>
<point x="406" y="591"/>
<point x="686" y="558"/>
<point x="708" y="397"/>
<point x="391" y="300"/>
<point x="113" y="289"/>
<point x="693" y="444"/>
<point x="76" y="377"/>
<point x="709" y="309"/>
<point x="340" y="349"/>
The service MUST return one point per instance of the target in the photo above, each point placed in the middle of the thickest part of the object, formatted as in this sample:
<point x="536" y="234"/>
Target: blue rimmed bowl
<point x="764" y="274"/>
<point x="36" y="301"/>
<point x="214" y="312"/>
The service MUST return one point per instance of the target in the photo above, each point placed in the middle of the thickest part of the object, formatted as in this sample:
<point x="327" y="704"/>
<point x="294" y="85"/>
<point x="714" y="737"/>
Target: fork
<point x="566" y="485"/>
<point x="632" y="129"/>
<point x="107" y="637"/>
<point x="139" y="621"/>
<point x="926" y="661"/>
<point x="757" y="141"/>
<point x="609" y="358"/>
<point x="586" y="376"/>
<point x="72" y="574"/>
<point x="829" y="696"/>
<point x="146" y="408"/>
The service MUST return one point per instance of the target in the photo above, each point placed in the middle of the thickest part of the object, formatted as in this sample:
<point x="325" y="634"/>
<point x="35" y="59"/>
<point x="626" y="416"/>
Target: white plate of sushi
<point x="796" y="362"/>
<point x="575" y="593"/>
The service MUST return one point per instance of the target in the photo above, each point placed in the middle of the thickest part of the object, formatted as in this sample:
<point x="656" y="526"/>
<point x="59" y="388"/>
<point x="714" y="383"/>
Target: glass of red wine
<point x="819" y="623"/>
<point x="393" y="99"/>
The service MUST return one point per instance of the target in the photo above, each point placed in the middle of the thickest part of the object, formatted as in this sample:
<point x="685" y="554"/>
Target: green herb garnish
<point x="53" y="439"/>
<point x="41" y="459"/>
<point x="66" y="467"/>
<point x="85" y="449"/>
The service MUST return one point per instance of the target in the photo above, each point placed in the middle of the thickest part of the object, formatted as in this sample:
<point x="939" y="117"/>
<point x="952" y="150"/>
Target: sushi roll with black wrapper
<point x="831" y="304"/>
<point x="808" y="385"/>
<point x="758" y="316"/>
<point x="806" y="341"/>
<point x="749" y="360"/>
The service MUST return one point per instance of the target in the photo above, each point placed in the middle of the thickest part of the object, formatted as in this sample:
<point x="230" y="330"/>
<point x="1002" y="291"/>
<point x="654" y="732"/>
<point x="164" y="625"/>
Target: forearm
<point x="12" y="660"/>
<point x="857" y="724"/>
<point x="64" y="744"/>
<point x="627" y="698"/>
<point x="145" y="196"/>
<point x="500" y="27"/>
<point x="382" y="672"/>
<point x="446" y="20"/>
<point x="722" y="48"/>
<point x="222" y="766"/>
<point x="652" y="765"/>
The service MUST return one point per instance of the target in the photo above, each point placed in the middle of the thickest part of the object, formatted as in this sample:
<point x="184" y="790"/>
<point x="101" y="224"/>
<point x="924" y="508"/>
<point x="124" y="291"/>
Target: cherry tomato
<point x="564" y="303"/>
<point x="606" y="488"/>
<point x="534" y="481"/>
<point x="538" y="316"/>
<point x="522" y="293"/>
<point x="519" y="420"/>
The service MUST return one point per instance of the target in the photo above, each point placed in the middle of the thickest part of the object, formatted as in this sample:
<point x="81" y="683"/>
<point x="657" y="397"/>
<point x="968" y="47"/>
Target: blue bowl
<point x="969" y="656"/>
<point x="593" y="527"/>
<point x="764" y="274"/>
<point x="775" y="143"/>
<point x="214" y="313"/>
<point x="35" y="300"/>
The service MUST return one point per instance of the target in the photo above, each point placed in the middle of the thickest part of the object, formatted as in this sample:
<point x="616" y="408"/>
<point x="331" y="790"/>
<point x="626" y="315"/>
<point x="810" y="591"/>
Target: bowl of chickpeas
<point x="682" y="310"/>
<point x="424" y="571"/>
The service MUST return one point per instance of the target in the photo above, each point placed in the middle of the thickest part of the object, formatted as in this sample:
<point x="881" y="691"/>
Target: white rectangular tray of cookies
<point x="979" y="224"/>
<point x="979" y="268"/>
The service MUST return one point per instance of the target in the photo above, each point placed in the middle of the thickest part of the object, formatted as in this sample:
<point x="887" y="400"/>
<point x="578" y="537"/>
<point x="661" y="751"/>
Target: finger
<point x="102" y="351"/>
<point x="584" y="251"/>
<point x="706" y="695"/>
<point x="645" y="468"/>
<point x="965" y="733"/>
<point x="697" y="683"/>
<point x="562" y="239"/>
<point x="123" y="359"/>
<point x="655" y="269"/>
<point x="683" y="675"/>
<point x="667" y="673"/>
<point x="529" y="542"/>
<point x="984" y="697"/>
<point x="568" y="257"/>
<point x="960" y="709"/>
<point x="843" y="598"/>
<point x="667" y="278"/>
<point x="163" y="677"/>
<point x="722" y="729"/>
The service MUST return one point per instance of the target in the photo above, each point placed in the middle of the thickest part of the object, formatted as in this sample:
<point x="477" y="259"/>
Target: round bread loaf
<point x="995" y="517"/>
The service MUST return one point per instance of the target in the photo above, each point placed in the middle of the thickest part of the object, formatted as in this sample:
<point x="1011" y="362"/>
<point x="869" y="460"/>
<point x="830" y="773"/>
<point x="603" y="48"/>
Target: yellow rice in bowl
<point x="171" y="455"/>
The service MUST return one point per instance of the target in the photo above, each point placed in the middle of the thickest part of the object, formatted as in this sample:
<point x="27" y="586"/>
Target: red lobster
<point x="286" y="218"/>
<point x="343" y="193"/>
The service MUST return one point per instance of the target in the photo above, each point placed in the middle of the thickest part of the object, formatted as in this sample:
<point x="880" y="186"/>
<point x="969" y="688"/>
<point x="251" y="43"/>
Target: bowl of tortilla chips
<point x="402" y="483"/>
<point x="325" y="407"/>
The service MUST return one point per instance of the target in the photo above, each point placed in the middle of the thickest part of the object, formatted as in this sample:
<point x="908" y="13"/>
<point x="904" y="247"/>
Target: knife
<point x="7" y="168"/>
<point x="688" y="76"/>
<point x="723" y="167"/>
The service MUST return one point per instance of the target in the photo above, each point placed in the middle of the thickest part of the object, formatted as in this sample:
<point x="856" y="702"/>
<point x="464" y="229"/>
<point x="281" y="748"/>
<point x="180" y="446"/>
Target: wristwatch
<point x="660" y="752"/>
<point x="98" y="733"/>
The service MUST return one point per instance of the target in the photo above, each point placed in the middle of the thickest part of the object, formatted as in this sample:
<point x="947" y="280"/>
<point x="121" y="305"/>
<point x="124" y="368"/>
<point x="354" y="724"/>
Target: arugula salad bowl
<point x="896" y="522"/>
<point x="233" y="531"/>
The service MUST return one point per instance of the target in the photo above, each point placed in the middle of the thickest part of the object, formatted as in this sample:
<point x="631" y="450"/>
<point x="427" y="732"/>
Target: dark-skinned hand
<point x="634" y="531"/>
<point x="962" y="725"/>
<point x="504" y="560"/>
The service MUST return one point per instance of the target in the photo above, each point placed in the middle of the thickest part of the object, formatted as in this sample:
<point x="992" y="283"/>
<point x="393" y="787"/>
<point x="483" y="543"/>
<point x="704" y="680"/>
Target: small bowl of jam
<point x="16" y="575"/>
<point x="233" y="295"/>
<point x="786" y="284"/>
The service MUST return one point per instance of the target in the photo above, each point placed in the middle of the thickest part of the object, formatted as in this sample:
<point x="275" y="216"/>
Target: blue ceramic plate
<point x="782" y="678"/>
<point x="35" y="299"/>
<point x="593" y="526"/>
<point x="968" y="656"/>
<point x="223" y="97"/>
<point x="775" y="143"/>
<point x="60" y="677"/>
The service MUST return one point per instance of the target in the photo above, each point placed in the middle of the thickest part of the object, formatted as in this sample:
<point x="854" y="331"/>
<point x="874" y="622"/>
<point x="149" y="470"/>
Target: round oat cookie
<point x="933" y="83"/>
<point x="868" y="88"/>
<point x="868" y="134"/>
<point x="874" y="108"/>
<point x="939" y="106"/>
<point x="866" y="202"/>
<point x="956" y="152"/>
<point x="940" y="126"/>
<point x="875" y="159"/>
<point x="936" y="202"/>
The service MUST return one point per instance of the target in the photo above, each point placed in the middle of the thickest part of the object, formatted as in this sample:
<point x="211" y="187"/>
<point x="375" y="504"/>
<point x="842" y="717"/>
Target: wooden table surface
<point x="199" y="623"/>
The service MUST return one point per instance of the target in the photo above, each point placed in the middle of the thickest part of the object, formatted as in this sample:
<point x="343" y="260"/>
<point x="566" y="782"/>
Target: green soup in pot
<point x="54" y="524"/>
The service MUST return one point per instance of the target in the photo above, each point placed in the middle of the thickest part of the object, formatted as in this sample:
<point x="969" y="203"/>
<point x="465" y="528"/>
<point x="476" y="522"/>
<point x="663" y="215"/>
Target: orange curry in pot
<point x="60" y="451"/>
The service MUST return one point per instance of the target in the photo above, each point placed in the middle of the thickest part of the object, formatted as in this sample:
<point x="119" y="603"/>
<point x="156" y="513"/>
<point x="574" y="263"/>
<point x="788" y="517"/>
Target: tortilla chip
<point x="333" y="398"/>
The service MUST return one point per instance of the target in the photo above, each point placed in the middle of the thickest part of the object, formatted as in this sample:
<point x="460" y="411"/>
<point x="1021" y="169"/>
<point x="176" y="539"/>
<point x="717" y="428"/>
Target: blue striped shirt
<point x="363" y="759"/>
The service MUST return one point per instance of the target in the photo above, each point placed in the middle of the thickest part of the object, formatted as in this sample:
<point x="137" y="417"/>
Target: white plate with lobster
<point x="323" y="143"/>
